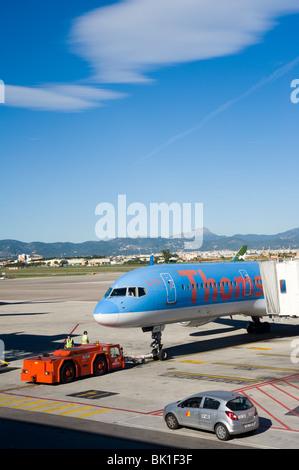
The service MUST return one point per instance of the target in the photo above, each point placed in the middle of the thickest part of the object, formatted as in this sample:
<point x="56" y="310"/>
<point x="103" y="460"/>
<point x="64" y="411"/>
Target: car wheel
<point x="171" y="421"/>
<point x="222" y="432"/>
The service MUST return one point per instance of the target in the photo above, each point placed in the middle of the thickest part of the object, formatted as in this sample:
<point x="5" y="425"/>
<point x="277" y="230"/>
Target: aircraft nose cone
<point x="106" y="313"/>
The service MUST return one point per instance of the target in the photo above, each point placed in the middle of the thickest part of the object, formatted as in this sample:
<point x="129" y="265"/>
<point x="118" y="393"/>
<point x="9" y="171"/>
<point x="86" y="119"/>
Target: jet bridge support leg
<point x="256" y="326"/>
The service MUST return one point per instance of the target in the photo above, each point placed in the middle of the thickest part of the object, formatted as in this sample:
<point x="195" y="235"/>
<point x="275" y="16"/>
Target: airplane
<point x="190" y="294"/>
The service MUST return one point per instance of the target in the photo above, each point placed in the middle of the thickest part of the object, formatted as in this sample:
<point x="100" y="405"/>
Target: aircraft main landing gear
<point x="256" y="326"/>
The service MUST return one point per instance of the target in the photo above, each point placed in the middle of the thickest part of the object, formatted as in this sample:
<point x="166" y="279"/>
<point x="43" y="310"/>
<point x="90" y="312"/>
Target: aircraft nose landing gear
<point x="158" y="352"/>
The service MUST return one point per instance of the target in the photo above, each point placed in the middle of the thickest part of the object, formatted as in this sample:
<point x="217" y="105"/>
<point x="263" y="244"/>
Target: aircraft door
<point x="170" y="288"/>
<point x="248" y="285"/>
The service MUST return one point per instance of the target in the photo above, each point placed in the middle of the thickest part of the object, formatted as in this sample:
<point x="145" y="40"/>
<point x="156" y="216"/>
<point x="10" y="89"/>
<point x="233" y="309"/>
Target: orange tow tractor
<point x="64" y="365"/>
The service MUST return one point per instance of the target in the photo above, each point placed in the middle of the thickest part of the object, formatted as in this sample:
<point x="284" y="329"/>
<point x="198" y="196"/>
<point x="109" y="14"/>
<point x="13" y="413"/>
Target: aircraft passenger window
<point x="119" y="292"/>
<point x="183" y="287"/>
<point x="141" y="291"/>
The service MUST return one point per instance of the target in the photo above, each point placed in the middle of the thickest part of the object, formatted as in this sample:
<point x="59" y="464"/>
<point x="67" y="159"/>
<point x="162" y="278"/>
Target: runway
<point x="123" y="409"/>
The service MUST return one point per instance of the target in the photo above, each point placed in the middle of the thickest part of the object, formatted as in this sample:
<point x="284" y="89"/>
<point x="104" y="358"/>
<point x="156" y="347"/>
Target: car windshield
<point x="239" y="404"/>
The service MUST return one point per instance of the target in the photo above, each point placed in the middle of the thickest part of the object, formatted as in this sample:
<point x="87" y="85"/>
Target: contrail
<point x="271" y="78"/>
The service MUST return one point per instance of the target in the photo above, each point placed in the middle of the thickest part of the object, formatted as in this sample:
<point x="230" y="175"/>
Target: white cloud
<point x="61" y="97"/>
<point x="126" y="40"/>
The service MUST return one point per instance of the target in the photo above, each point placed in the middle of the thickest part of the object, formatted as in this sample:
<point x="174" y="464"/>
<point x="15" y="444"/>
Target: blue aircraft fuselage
<point x="169" y="293"/>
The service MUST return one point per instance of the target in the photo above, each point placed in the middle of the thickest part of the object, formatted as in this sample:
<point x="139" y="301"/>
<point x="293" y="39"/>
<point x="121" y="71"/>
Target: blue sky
<point x="173" y="101"/>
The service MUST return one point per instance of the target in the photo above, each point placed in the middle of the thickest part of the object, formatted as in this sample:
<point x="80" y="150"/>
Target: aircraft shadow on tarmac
<point x="219" y="341"/>
<point x="26" y="302"/>
<point x="19" y="345"/>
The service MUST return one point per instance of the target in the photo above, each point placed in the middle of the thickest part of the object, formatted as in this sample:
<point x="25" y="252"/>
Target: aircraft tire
<point x="266" y="327"/>
<point x="258" y="327"/>
<point x="163" y="354"/>
<point x="155" y="354"/>
<point x="251" y="328"/>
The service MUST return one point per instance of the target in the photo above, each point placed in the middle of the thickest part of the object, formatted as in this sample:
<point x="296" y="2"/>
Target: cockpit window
<point x="141" y="291"/>
<point x="108" y="292"/>
<point x="119" y="292"/>
<point x="126" y="291"/>
<point x="132" y="291"/>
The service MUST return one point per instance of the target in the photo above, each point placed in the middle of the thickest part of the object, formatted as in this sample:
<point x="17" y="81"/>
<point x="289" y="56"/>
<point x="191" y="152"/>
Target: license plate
<point x="249" y="425"/>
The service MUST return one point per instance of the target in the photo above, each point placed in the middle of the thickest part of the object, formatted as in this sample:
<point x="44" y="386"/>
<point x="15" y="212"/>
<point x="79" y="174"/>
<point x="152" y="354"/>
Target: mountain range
<point x="135" y="246"/>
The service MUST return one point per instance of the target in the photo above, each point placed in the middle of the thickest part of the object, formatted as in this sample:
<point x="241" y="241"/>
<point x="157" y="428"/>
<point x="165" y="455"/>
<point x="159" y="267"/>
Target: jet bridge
<point x="280" y="280"/>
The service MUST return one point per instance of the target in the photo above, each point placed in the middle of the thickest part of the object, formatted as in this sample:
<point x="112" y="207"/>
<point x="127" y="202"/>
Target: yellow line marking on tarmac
<point x="255" y="367"/>
<point x="276" y="355"/>
<point x="90" y="413"/>
<point x="19" y="388"/>
<point x="8" y="398"/>
<point x="186" y="361"/>
<point x="33" y="404"/>
<point x="61" y="407"/>
<point x="39" y="406"/>
<point x="262" y="349"/>
<point x="75" y="410"/>
<point x="215" y="376"/>
<point x="10" y="401"/>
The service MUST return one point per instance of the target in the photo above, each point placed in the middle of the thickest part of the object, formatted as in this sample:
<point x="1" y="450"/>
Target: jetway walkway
<point x="280" y="280"/>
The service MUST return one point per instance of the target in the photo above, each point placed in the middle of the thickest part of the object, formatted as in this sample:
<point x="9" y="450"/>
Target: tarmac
<point x="124" y="409"/>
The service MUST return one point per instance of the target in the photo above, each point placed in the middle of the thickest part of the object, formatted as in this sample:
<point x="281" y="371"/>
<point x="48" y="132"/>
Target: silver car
<point x="225" y="413"/>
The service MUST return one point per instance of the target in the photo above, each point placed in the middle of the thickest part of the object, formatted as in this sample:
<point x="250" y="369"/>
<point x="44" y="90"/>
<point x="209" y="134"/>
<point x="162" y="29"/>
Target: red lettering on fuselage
<point x="154" y="281"/>
<point x="190" y="273"/>
<point x="207" y="283"/>
<point x="226" y="286"/>
<point x="259" y="286"/>
<point x="226" y="295"/>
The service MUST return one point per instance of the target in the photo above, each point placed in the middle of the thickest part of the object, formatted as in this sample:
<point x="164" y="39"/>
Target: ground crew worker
<point x="69" y="342"/>
<point x="85" y="339"/>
